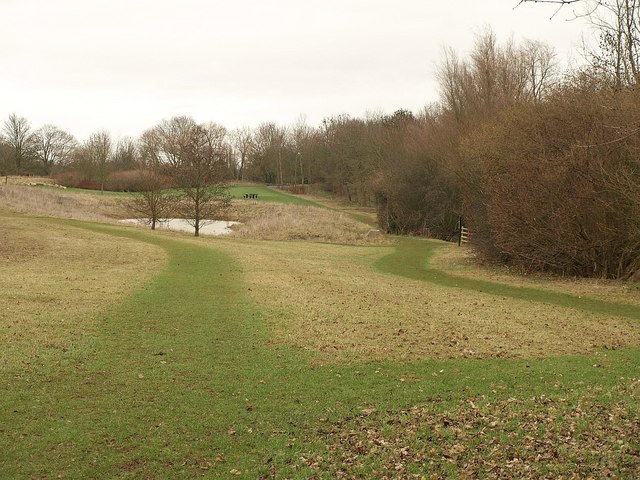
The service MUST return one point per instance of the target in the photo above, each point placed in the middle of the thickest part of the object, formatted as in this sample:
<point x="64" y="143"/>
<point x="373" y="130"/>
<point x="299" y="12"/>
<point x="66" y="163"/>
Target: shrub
<point x="89" y="185"/>
<point x="125" y="181"/>
<point x="69" y="178"/>
<point x="554" y="186"/>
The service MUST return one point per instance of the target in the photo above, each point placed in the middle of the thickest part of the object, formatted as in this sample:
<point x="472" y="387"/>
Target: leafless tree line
<point x="617" y="24"/>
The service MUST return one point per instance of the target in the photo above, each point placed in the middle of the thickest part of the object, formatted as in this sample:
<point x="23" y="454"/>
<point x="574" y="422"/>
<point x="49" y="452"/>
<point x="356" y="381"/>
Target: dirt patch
<point x="537" y="437"/>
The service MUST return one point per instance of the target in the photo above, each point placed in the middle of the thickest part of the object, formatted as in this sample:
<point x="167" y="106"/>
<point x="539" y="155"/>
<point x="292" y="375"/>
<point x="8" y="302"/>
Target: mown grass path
<point x="411" y="260"/>
<point x="183" y="382"/>
<point x="178" y="378"/>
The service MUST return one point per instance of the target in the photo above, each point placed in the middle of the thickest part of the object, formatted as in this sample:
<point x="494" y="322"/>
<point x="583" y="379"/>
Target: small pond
<point x="207" y="227"/>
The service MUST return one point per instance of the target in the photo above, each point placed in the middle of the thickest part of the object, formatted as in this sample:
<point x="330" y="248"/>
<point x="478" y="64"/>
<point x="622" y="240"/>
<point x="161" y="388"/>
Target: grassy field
<point x="135" y="354"/>
<point x="265" y="194"/>
<point x="268" y="194"/>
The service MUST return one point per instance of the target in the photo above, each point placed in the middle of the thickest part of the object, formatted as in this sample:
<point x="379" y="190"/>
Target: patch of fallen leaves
<point x="594" y="436"/>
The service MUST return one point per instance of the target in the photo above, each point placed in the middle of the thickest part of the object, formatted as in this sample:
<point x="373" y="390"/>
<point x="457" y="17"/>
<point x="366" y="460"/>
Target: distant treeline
<point x="542" y="165"/>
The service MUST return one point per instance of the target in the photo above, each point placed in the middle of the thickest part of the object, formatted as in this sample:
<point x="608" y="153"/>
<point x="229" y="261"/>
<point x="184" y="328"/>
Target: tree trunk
<point x="196" y="220"/>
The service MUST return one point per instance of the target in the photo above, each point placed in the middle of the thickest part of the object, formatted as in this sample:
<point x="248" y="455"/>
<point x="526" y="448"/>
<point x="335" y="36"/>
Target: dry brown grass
<point x="294" y="222"/>
<point x="61" y="204"/>
<point x="330" y="301"/>
<point x="24" y="180"/>
<point x="369" y="214"/>
<point x="460" y="261"/>
<point x="55" y="278"/>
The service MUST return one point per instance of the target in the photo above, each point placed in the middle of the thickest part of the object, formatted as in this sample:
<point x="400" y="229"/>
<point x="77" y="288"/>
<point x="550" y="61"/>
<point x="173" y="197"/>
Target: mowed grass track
<point x="182" y="379"/>
<point x="174" y="372"/>
<point x="411" y="260"/>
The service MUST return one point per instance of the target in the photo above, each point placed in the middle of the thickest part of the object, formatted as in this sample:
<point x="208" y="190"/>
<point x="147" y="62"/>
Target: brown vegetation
<point x="294" y="222"/>
<point x="58" y="203"/>
<point x="554" y="186"/>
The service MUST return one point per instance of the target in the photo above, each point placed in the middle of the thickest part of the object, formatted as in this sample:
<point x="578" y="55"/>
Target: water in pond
<point x="210" y="227"/>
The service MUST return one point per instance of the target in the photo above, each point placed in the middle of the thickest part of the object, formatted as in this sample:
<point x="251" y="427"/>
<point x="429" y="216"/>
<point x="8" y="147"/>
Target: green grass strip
<point x="411" y="260"/>
<point x="268" y="194"/>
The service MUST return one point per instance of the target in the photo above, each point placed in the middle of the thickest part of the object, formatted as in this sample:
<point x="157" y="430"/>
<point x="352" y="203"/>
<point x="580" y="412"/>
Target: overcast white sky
<point x="124" y="65"/>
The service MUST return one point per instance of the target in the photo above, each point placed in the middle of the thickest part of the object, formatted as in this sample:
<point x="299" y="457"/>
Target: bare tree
<point x="199" y="176"/>
<point x="153" y="202"/>
<point x="495" y="76"/>
<point x="456" y="84"/>
<point x="539" y="62"/>
<point x="618" y="25"/>
<point x="99" y="149"/>
<point x="125" y="156"/>
<point x="52" y="146"/>
<point x="7" y="165"/>
<point x="194" y="157"/>
<point x="618" y="52"/>
<point x="19" y="137"/>
<point x="167" y="142"/>
<point x="557" y="2"/>
<point x="243" y="143"/>
<point x="269" y="152"/>
<point x="303" y="140"/>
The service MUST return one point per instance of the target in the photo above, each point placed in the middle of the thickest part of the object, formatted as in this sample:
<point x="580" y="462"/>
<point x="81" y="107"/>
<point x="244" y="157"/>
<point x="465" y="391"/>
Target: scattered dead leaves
<point x="592" y="436"/>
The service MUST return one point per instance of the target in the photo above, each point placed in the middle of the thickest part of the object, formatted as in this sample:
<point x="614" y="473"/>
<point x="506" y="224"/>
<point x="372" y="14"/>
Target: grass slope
<point x="265" y="193"/>
<point x="268" y="194"/>
<point x="181" y="381"/>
